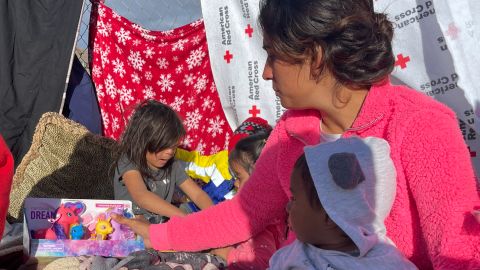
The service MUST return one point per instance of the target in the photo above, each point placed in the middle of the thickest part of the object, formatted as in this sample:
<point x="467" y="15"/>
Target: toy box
<point x="74" y="227"/>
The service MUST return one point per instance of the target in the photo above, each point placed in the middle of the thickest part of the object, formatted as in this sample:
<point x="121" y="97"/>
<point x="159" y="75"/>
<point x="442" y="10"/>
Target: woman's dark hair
<point x="302" y="167"/>
<point x="248" y="149"/>
<point x="354" y="40"/>
<point x="153" y="127"/>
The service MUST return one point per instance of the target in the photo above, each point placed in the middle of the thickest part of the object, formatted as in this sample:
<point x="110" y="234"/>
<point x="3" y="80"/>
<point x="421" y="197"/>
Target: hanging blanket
<point x="131" y="64"/>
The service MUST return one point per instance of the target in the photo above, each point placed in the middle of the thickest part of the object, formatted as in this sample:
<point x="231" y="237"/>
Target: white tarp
<point x="235" y="46"/>
<point x="436" y="47"/>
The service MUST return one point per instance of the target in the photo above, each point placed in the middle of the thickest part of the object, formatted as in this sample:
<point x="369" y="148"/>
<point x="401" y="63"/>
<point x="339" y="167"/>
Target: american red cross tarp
<point x="36" y="49"/>
<point x="436" y="47"/>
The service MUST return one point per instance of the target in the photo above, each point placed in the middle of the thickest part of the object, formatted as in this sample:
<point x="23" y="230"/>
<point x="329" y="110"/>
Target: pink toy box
<point x="74" y="227"/>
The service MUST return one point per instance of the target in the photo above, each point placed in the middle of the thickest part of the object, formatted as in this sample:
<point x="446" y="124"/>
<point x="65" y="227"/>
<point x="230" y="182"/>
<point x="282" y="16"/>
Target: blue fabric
<point x="81" y="101"/>
<point x="217" y="194"/>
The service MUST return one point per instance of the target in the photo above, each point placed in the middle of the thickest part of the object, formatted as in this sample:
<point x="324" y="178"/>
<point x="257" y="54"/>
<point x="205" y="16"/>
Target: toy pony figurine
<point x="117" y="233"/>
<point x="65" y="215"/>
<point x="76" y="231"/>
<point x="103" y="229"/>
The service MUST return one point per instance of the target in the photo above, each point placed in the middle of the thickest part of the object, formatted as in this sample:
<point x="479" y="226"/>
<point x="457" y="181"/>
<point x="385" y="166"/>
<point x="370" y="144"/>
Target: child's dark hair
<point x="302" y="167"/>
<point x="354" y="40"/>
<point x="153" y="127"/>
<point x="248" y="149"/>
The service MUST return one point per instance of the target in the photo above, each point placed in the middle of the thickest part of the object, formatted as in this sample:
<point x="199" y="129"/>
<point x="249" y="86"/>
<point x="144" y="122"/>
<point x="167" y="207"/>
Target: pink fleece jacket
<point x="256" y="252"/>
<point x="436" y="189"/>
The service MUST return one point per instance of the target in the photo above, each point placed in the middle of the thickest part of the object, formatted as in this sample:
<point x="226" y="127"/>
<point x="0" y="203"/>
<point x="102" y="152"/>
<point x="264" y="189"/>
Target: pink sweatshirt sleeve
<point x="257" y="251"/>
<point x="261" y="200"/>
<point x="441" y="180"/>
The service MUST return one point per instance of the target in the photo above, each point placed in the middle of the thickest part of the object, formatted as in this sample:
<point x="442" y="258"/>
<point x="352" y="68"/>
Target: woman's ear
<point x="316" y="62"/>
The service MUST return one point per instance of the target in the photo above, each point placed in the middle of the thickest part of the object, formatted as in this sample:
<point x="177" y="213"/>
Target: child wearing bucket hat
<point x="342" y="192"/>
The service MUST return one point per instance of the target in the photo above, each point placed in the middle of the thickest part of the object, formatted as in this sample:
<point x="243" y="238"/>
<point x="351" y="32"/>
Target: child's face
<point x="159" y="159"/>
<point x="311" y="225"/>
<point x="241" y="175"/>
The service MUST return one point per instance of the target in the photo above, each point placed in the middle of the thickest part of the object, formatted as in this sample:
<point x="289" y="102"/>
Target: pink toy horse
<point x="66" y="215"/>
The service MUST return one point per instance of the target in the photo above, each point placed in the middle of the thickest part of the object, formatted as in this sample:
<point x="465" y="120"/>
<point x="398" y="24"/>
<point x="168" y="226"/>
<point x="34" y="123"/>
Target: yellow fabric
<point x="217" y="162"/>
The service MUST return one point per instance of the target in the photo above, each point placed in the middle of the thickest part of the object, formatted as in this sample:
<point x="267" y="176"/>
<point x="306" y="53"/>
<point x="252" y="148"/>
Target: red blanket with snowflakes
<point x="130" y="64"/>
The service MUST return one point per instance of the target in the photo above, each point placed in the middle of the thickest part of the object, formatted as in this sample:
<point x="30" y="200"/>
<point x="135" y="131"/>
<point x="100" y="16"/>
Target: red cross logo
<point x="472" y="153"/>
<point x="254" y="111"/>
<point x="249" y="30"/>
<point x="228" y="56"/>
<point x="452" y="31"/>
<point x="402" y="61"/>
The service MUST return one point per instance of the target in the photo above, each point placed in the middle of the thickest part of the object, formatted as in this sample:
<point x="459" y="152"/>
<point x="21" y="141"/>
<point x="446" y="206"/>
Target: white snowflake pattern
<point x="110" y="87"/>
<point x="201" y="84"/>
<point x="179" y="69"/>
<point x="123" y="36"/>
<point x="139" y="28"/>
<point x="106" y="119"/>
<point x="148" y="92"/>
<point x="136" y="60"/>
<point x="215" y="126"/>
<point x="162" y="100"/>
<point x="191" y="101"/>
<point x="118" y="49"/>
<point x="104" y="29"/>
<point x="136" y="42"/>
<point x="162" y="63"/>
<point x="215" y="149"/>
<point x="196" y="23"/>
<point x="175" y="58"/>
<point x="177" y="103"/>
<point x="135" y="77"/>
<point x="148" y="36"/>
<point x="97" y="48"/>
<point x="193" y="119"/>
<point x="104" y="56"/>
<point x="195" y="58"/>
<point x="179" y="44"/>
<point x="96" y="71"/>
<point x="201" y="148"/>
<point x="118" y="108"/>
<point x="126" y="95"/>
<point x="207" y="103"/>
<point x="100" y="92"/>
<point x="165" y="82"/>
<point x="227" y="140"/>
<point x="118" y="67"/>
<point x="149" y="52"/>
<point x="187" y="142"/>
<point x="168" y="32"/>
<point x="148" y="75"/>
<point x="116" y="16"/>
<point x="188" y="79"/>
<point x="115" y="125"/>
<point x="213" y="87"/>
<point x="196" y="40"/>
<point x="101" y="12"/>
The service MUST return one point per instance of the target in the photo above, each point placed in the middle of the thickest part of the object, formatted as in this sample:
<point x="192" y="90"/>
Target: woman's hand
<point x="221" y="252"/>
<point x="139" y="225"/>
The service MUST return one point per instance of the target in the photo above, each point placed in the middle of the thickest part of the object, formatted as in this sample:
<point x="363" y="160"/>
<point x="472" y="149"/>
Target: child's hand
<point x="138" y="225"/>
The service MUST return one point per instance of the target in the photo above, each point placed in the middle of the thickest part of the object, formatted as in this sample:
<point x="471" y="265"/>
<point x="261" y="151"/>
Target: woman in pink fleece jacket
<point x="329" y="63"/>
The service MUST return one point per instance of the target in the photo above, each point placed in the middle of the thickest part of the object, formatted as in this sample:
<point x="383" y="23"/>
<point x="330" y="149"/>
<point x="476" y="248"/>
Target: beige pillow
<point x="64" y="161"/>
